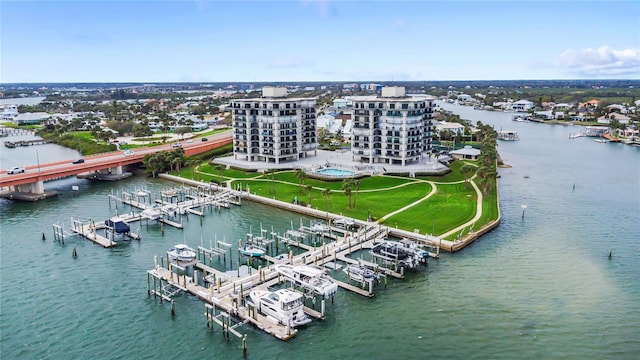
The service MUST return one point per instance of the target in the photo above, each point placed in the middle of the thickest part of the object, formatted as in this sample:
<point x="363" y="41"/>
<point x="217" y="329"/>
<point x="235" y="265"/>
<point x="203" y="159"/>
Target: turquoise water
<point x="335" y="172"/>
<point x="541" y="286"/>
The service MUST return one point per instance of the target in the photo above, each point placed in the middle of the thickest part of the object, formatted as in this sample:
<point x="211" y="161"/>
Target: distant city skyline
<point x="289" y="41"/>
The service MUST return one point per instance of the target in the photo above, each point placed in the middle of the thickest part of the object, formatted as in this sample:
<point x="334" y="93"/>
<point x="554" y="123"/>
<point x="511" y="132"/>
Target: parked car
<point x="15" y="170"/>
<point x="204" y="139"/>
<point x="79" y="161"/>
<point x="128" y="153"/>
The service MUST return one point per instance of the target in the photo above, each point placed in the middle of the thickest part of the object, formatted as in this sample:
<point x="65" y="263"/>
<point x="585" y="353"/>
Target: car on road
<point x="15" y="170"/>
<point x="128" y="153"/>
<point x="79" y="161"/>
<point x="189" y="141"/>
<point x="176" y="145"/>
<point x="204" y="139"/>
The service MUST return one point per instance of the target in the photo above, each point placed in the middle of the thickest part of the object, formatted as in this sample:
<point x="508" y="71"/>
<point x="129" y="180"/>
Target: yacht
<point x="181" y="253"/>
<point x="284" y="305"/>
<point x="311" y="277"/>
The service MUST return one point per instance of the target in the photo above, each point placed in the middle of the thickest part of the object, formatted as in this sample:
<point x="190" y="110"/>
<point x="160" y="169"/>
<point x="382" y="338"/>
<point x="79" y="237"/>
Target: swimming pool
<point x="335" y="172"/>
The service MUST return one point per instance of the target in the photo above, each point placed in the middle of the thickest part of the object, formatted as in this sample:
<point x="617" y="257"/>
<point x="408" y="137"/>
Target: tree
<point x="467" y="170"/>
<point x="183" y="130"/>
<point x="346" y="186"/>
<point x="356" y="184"/>
<point x="309" y="188"/>
<point x="327" y="194"/>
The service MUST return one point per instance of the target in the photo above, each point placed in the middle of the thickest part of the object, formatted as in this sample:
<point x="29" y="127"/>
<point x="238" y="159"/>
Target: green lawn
<point x="368" y="183"/>
<point x="452" y="204"/>
<point x="229" y="173"/>
<point x="211" y="132"/>
<point x="379" y="203"/>
<point x="449" y="207"/>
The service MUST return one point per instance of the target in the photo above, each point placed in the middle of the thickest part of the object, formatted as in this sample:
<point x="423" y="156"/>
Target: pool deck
<point x="342" y="159"/>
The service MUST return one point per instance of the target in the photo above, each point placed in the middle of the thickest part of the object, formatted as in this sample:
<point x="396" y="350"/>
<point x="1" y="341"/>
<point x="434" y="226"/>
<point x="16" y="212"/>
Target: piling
<point x="173" y="308"/>
<point x="43" y="237"/>
<point x="74" y="253"/>
<point x="244" y="345"/>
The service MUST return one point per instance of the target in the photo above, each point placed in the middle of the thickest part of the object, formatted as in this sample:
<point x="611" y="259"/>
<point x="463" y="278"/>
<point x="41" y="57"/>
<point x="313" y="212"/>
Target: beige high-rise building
<point x="392" y="128"/>
<point x="274" y="128"/>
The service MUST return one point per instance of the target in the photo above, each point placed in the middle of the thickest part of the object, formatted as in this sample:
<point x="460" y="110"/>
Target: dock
<point x="13" y="144"/>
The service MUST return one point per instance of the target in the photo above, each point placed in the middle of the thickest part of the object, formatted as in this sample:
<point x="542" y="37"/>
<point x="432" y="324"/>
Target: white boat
<point x="284" y="305"/>
<point x="154" y="213"/>
<point x="252" y="250"/>
<point x="311" y="277"/>
<point x="319" y="227"/>
<point x="360" y="273"/>
<point x="182" y="252"/>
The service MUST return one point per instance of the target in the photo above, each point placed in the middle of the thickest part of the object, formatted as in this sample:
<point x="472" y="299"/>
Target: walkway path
<point x="434" y="189"/>
<point x="475" y="218"/>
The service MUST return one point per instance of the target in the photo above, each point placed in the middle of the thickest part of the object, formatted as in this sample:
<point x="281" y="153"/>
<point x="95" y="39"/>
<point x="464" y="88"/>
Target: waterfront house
<point x="522" y="105"/>
<point x="466" y="153"/>
<point x="606" y="119"/>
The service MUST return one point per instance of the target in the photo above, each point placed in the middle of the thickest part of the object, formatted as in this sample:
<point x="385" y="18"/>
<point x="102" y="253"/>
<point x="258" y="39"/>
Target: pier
<point x="13" y="144"/>
<point x="225" y="293"/>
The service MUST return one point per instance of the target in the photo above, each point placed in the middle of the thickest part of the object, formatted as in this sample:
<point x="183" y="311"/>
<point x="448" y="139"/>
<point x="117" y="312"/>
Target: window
<point x="392" y="106"/>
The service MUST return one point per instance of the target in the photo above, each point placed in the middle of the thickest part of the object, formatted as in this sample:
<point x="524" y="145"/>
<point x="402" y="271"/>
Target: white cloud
<point x="603" y="62"/>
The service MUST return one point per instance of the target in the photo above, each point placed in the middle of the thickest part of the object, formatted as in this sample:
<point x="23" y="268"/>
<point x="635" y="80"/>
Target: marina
<point x="239" y="297"/>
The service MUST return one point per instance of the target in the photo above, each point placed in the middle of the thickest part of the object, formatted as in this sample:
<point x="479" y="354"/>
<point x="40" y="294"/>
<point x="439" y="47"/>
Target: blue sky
<point x="209" y="41"/>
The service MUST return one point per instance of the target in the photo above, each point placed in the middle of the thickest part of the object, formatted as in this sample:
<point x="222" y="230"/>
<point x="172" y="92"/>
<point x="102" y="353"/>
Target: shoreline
<point x="429" y="240"/>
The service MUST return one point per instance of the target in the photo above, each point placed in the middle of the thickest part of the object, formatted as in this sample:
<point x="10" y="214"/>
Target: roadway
<point x="66" y="168"/>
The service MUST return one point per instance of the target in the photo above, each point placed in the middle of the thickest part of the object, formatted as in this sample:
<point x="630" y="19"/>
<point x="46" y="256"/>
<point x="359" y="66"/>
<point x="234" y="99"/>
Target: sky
<point x="303" y="40"/>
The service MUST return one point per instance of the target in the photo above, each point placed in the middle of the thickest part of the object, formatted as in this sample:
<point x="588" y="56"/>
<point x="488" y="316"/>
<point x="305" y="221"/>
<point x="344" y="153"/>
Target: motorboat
<point x="252" y="250"/>
<point x="311" y="277"/>
<point x="182" y="252"/>
<point x="154" y="213"/>
<point x="360" y="273"/>
<point x="318" y="227"/>
<point x="118" y="225"/>
<point x="284" y="305"/>
<point x="405" y="253"/>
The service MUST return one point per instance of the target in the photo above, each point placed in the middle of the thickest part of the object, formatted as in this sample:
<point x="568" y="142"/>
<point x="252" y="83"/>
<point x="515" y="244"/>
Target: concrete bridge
<point x="31" y="182"/>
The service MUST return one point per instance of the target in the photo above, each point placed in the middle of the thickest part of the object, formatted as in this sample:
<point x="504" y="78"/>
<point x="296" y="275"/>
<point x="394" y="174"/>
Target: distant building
<point x="606" y="119"/>
<point x="341" y="103"/>
<point x="392" y="128"/>
<point x="522" y="105"/>
<point x="274" y="128"/>
<point x="36" y="118"/>
<point x="466" y="153"/>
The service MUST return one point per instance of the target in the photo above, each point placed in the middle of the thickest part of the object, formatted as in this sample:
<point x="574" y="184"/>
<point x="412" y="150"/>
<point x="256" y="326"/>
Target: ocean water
<point x="539" y="286"/>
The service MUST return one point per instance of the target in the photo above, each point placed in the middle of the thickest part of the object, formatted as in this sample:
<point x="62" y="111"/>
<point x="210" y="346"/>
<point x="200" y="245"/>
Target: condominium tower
<point x="274" y="128"/>
<point x="392" y="128"/>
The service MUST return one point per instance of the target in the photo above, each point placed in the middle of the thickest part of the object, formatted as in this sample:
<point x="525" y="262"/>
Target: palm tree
<point x="271" y="173"/>
<point x="327" y="193"/>
<point x="346" y="186"/>
<point x="467" y="170"/>
<point x="309" y="188"/>
<point x="356" y="183"/>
